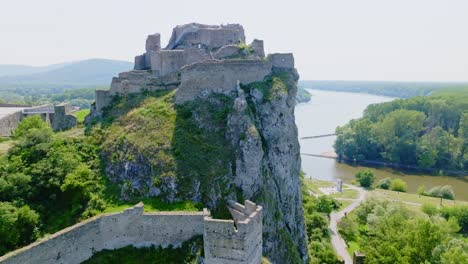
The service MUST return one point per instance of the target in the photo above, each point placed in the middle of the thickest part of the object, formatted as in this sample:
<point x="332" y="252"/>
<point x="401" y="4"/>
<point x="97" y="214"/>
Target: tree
<point x="365" y="178"/>
<point x="398" y="132"/>
<point x="17" y="226"/>
<point x="27" y="124"/>
<point x="398" y="185"/>
<point x="385" y="183"/>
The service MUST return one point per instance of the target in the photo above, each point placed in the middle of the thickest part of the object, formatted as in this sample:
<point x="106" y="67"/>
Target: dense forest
<point x="427" y="132"/>
<point x="393" y="89"/>
<point x="388" y="232"/>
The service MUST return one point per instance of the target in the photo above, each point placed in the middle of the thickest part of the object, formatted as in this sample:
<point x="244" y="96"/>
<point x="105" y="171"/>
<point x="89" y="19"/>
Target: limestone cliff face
<point x="224" y="131"/>
<point x="264" y="135"/>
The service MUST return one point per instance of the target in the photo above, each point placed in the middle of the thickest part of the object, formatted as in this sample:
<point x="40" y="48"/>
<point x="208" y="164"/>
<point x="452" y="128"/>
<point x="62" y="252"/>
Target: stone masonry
<point x="198" y="58"/>
<point x="60" y="116"/>
<point x="225" y="241"/>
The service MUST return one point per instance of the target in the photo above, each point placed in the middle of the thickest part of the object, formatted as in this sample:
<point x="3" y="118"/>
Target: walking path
<point x="337" y="241"/>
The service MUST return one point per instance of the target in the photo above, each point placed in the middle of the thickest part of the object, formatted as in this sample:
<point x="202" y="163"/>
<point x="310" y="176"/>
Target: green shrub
<point x="445" y="192"/>
<point x="384" y="183"/>
<point x="429" y="209"/>
<point x="398" y="185"/>
<point x="365" y="178"/>
<point x="28" y="124"/>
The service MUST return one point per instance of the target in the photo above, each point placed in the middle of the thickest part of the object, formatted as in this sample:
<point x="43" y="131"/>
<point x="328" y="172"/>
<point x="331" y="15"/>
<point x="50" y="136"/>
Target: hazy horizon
<point x="416" y="41"/>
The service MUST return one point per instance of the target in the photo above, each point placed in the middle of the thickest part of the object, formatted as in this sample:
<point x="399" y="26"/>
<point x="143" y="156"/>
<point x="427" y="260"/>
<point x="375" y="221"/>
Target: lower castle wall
<point x="131" y="227"/>
<point x="9" y="123"/>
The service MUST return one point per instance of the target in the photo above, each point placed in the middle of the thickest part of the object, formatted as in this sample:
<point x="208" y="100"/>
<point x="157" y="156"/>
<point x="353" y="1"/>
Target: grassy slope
<point x="149" y="125"/>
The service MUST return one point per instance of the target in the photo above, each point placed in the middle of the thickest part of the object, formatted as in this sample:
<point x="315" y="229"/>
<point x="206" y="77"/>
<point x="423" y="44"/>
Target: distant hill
<point x="93" y="72"/>
<point x="393" y="89"/>
<point x="16" y="69"/>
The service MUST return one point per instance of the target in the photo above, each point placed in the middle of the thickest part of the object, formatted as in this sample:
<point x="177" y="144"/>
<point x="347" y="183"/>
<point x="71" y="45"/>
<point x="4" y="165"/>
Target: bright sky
<point x="406" y="40"/>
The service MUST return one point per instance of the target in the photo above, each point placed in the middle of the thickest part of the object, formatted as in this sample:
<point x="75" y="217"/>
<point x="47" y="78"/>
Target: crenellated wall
<point x="235" y="241"/>
<point x="224" y="243"/>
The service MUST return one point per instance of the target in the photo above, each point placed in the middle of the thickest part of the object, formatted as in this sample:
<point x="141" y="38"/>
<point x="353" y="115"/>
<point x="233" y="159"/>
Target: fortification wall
<point x="219" y="76"/>
<point x="130" y="227"/>
<point x="211" y="36"/>
<point x="62" y="118"/>
<point x="9" y="123"/>
<point x="224" y="242"/>
<point x="235" y="241"/>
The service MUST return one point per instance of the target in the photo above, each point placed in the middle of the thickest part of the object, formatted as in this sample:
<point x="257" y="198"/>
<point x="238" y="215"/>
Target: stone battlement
<point x="223" y="242"/>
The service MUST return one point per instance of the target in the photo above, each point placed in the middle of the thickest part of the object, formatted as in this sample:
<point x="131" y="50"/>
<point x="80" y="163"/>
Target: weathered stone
<point x="219" y="76"/>
<point x="62" y="118"/>
<point x="153" y="42"/>
<point x="223" y="242"/>
<point x="140" y="62"/>
<point x="282" y="60"/>
<point x="209" y="36"/>
<point x="257" y="46"/>
<point x="227" y="51"/>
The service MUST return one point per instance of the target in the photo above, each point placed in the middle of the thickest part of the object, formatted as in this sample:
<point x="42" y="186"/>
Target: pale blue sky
<point x="407" y="40"/>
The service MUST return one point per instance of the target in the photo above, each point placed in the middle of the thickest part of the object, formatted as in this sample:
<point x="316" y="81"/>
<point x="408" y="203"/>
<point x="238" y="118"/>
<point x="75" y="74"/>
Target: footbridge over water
<point x="320" y="136"/>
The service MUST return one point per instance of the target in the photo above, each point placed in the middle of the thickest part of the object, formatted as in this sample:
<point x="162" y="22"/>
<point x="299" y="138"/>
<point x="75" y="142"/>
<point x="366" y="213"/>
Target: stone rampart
<point x="225" y="241"/>
<point x="235" y="241"/>
<point x="111" y="231"/>
<point x="219" y="76"/>
<point x="9" y="123"/>
<point x="62" y="117"/>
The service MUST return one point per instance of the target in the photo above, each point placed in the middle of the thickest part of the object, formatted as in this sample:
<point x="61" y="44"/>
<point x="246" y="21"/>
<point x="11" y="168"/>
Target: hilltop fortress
<point x="199" y="59"/>
<point x="223" y="92"/>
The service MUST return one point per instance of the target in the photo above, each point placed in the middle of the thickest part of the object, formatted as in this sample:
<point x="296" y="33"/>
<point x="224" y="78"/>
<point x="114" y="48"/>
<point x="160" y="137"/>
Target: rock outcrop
<point x="227" y="111"/>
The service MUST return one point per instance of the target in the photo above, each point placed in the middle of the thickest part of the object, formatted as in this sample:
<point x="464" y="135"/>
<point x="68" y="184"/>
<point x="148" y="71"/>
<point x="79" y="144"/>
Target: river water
<point x="323" y="114"/>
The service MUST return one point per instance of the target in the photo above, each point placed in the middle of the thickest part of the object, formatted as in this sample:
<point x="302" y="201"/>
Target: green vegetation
<point x="80" y="115"/>
<point x="365" y="178"/>
<point x="384" y="183"/>
<point x="421" y="132"/>
<point x="393" y="89"/>
<point x="388" y="232"/>
<point x="398" y="185"/>
<point x="316" y="214"/>
<point x="185" y="150"/>
<point x="445" y="192"/>
<point x="49" y="181"/>
<point x="189" y="252"/>
<point x="82" y="97"/>
<point x="274" y="85"/>
<point x="303" y="95"/>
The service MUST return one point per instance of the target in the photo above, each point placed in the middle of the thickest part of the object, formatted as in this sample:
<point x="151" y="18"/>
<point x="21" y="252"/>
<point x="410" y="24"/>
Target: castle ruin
<point x="198" y="59"/>
<point x="225" y="241"/>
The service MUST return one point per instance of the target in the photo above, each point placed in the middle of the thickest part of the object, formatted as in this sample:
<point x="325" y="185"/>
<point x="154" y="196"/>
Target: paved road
<point x="337" y="241"/>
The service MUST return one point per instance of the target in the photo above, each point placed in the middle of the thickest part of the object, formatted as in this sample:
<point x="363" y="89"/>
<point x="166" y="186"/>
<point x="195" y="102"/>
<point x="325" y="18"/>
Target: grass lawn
<point x="80" y="115"/>
<point x="347" y="193"/>
<point x="344" y="204"/>
<point x="413" y="198"/>
<point x="314" y="185"/>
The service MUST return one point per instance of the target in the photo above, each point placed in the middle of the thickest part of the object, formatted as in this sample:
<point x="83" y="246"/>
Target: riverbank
<point x="328" y="110"/>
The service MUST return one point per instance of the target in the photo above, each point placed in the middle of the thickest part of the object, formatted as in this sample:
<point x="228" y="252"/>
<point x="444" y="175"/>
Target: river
<point x="323" y="114"/>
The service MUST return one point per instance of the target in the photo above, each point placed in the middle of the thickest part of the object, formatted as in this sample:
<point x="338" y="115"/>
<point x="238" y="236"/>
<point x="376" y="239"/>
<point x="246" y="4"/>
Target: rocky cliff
<point x="221" y="129"/>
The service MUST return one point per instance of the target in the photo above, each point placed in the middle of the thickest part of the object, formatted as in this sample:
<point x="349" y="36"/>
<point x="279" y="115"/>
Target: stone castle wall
<point x="235" y="241"/>
<point x="219" y="76"/>
<point x="62" y="117"/>
<point x="9" y="123"/>
<point x="134" y="227"/>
